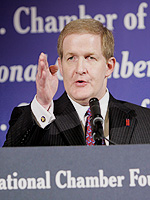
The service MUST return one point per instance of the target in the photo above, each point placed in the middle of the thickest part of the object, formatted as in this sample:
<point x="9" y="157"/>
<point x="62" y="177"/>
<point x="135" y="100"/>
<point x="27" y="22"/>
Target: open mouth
<point x="81" y="83"/>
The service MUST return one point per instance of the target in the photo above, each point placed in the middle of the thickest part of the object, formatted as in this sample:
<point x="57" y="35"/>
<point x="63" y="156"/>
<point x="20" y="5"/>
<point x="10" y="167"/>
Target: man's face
<point x="83" y="67"/>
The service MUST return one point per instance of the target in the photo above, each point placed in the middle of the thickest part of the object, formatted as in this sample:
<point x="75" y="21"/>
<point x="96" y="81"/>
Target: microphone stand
<point x="98" y="134"/>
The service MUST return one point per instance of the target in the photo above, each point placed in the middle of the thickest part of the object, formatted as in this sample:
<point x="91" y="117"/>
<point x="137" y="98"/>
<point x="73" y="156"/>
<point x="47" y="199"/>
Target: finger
<point x="43" y="57"/>
<point x="42" y="64"/>
<point x="53" y="69"/>
<point x="45" y="61"/>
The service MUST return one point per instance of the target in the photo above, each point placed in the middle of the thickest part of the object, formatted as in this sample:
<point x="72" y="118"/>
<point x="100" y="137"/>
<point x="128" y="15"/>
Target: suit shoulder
<point x="127" y="106"/>
<point x="137" y="108"/>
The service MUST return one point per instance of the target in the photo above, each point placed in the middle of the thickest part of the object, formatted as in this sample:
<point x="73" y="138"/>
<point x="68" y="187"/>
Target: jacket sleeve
<point x="22" y="126"/>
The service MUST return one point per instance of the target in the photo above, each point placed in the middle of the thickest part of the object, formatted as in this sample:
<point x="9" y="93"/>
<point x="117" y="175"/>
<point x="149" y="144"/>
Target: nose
<point x="81" y="67"/>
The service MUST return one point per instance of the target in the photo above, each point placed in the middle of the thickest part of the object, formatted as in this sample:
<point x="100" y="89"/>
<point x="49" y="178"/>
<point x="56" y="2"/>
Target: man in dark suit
<point x="86" y="60"/>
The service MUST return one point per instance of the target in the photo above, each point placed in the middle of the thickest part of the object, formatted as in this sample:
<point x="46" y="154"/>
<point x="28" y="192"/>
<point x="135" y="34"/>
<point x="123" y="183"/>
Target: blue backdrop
<point x="29" y="27"/>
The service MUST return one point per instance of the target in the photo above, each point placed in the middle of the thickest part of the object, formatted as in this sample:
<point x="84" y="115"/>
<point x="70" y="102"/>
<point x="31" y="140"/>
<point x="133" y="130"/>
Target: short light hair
<point x="91" y="26"/>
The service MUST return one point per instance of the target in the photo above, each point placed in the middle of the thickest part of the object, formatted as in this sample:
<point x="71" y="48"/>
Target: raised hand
<point x="46" y="82"/>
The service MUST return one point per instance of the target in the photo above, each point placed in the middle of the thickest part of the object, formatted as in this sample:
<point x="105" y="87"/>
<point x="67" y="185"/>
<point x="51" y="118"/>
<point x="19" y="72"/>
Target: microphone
<point x="96" y="122"/>
<point x="95" y="111"/>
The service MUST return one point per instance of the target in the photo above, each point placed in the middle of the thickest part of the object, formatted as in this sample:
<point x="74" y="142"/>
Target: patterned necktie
<point x="89" y="139"/>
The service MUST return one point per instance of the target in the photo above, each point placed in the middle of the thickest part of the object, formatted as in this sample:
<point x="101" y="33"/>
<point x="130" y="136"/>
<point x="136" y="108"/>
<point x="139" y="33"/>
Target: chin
<point x="83" y="99"/>
<point x="80" y="96"/>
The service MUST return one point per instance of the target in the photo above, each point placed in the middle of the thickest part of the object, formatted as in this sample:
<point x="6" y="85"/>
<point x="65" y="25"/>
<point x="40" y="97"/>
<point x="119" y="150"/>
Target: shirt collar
<point x="81" y="110"/>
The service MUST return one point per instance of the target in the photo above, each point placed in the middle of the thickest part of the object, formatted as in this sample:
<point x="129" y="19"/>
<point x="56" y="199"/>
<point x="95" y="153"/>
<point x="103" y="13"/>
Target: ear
<point x="60" y="66"/>
<point x="110" y="66"/>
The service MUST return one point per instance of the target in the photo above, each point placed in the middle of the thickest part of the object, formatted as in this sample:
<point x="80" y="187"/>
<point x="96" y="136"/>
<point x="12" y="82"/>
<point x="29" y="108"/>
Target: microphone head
<point x="93" y="100"/>
<point x="94" y="106"/>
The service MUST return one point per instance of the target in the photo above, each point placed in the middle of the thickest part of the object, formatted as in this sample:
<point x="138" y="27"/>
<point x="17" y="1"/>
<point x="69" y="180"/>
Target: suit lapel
<point x="68" y="122"/>
<point x="122" y="122"/>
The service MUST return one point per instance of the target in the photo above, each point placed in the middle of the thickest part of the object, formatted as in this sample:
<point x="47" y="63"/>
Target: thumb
<point x="53" y="69"/>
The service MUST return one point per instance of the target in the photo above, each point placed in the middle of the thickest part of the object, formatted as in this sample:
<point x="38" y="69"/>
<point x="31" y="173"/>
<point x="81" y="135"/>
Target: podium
<point x="120" y="172"/>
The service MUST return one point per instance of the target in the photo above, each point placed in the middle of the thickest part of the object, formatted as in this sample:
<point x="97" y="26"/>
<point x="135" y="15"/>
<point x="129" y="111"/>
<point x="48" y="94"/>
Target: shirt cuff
<point x="42" y="116"/>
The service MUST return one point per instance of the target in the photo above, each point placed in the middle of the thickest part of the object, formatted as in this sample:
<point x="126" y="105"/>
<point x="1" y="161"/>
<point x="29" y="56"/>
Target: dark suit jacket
<point x="128" y="124"/>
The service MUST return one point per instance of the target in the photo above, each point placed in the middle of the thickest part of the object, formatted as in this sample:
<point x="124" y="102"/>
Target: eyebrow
<point x="86" y="54"/>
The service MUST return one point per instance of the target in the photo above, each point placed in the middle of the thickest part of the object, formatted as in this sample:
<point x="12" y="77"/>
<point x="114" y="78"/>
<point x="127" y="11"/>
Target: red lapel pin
<point x="127" y="122"/>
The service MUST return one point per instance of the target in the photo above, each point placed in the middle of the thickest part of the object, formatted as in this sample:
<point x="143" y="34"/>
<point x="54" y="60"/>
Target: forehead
<point x="81" y="42"/>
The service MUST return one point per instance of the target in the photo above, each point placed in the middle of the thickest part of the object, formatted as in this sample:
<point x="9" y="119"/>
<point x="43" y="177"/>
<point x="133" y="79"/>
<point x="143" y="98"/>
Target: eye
<point x="70" y="58"/>
<point x="90" y="58"/>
